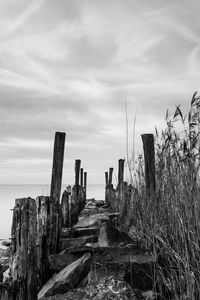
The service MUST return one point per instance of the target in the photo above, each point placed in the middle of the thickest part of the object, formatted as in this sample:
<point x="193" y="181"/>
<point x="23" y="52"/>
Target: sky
<point x="69" y="66"/>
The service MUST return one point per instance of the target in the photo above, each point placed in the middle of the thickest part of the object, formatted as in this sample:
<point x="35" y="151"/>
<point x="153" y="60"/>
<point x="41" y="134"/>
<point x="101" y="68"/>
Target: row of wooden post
<point x="36" y="227"/>
<point x="114" y="198"/>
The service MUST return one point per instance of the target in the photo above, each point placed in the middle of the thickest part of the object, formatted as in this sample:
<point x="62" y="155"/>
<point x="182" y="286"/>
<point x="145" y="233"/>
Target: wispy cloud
<point x="68" y="65"/>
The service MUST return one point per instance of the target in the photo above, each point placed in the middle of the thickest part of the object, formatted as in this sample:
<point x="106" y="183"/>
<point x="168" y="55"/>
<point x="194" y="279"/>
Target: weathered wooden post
<point x="77" y="171"/>
<point x="23" y="250"/>
<point x="106" y="189"/>
<point x="66" y="208"/>
<point x="81" y="177"/>
<point x="149" y="159"/>
<point x="106" y="178"/>
<point x="56" y="184"/>
<point x="85" y="186"/>
<point x="43" y="236"/>
<point x="57" y="169"/>
<point x="110" y="176"/>
<point x="121" y="199"/>
<point x="85" y="180"/>
<point x="109" y="188"/>
<point x="121" y="174"/>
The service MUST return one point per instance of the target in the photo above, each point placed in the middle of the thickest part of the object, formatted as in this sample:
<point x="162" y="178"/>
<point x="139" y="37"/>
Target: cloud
<point x="68" y="65"/>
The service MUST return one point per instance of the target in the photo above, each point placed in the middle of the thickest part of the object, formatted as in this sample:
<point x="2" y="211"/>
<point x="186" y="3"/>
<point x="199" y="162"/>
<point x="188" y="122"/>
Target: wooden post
<point x="56" y="184"/>
<point x="121" y="199"/>
<point x="65" y="207"/>
<point x="121" y="173"/>
<point x="23" y="250"/>
<point x="81" y="177"/>
<point x="43" y="235"/>
<point x="110" y="176"/>
<point x="85" y="180"/>
<point x="106" y="178"/>
<point x="149" y="159"/>
<point x="57" y="169"/>
<point x="77" y="171"/>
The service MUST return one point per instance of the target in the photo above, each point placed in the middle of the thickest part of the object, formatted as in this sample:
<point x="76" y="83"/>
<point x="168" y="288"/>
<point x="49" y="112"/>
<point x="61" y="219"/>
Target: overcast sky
<point x="68" y="65"/>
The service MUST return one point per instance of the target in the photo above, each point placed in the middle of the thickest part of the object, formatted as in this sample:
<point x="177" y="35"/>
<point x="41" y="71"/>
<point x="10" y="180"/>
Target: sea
<point x="8" y="194"/>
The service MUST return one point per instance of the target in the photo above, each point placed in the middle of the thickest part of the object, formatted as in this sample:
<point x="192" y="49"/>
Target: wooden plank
<point x="57" y="169"/>
<point x="23" y="250"/>
<point x="77" y="171"/>
<point x="110" y="176"/>
<point x="149" y="160"/>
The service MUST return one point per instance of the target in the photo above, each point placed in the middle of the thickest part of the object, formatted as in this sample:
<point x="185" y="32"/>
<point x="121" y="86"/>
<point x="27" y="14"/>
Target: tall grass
<point x="169" y="224"/>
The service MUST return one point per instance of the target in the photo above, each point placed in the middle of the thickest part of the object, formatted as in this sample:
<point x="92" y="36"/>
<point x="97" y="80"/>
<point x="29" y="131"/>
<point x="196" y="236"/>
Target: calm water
<point x="8" y="194"/>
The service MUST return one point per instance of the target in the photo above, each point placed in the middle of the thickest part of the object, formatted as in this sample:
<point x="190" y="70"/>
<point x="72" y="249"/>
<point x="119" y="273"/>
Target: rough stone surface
<point x="135" y="264"/>
<point x="66" y="243"/>
<point x="6" y="243"/>
<point x="59" y="261"/>
<point x="107" y="288"/>
<point x="67" y="279"/>
<point x="94" y="219"/>
<point x="79" y="232"/>
<point x="109" y="235"/>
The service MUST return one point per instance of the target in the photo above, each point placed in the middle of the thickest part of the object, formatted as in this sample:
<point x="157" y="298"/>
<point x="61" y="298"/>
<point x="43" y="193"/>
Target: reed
<point x="169" y="224"/>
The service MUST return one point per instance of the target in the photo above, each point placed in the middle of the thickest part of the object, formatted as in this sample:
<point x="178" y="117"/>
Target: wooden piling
<point x="57" y="169"/>
<point x="66" y="208"/>
<point x="106" y="178"/>
<point x="110" y="176"/>
<point x="149" y="159"/>
<point x="81" y="177"/>
<point x="43" y="239"/>
<point x="120" y="173"/>
<point x="23" y="250"/>
<point x="85" y="180"/>
<point x="56" y="184"/>
<point x="121" y="199"/>
<point x="77" y="171"/>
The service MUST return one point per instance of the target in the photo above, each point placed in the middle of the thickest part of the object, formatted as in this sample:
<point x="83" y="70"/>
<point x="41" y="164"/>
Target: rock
<point x="67" y="279"/>
<point x="66" y="232"/>
<point x="151" y="295"/>
<point x="4" y="262"/>
<point x="95" y="219"/>
<point x="66" y="243"/>
<point x="108" y="288"/>
<point x="109" y="235"/>
<point x="6" y="243"/>
<point x="79" y="232"/>
<point x="100" y="203"/>
<point x="136" y="265"/>
<point x="59" y="261"/>
<point x="6" y="275"/>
